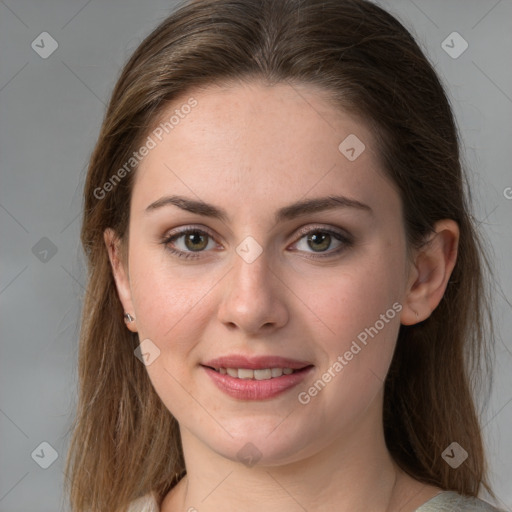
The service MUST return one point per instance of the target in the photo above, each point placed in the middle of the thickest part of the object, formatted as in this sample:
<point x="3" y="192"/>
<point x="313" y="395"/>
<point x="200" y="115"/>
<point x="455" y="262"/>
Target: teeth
<point x="276" y="372"/>
<point x="245" y="374"/>
<point x="263" y="374"/>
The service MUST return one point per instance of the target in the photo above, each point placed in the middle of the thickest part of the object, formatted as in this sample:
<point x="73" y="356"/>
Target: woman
<point x="284" y="278"/>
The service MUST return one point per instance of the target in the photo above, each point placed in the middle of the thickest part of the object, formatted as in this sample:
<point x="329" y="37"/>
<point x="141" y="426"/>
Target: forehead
<point x="257" y="143"/>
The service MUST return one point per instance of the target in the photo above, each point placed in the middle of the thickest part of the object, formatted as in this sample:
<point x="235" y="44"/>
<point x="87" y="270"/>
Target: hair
<point x="125" y="442"/>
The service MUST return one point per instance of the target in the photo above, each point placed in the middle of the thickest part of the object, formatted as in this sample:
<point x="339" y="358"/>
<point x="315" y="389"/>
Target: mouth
<point x="260" y="374"/>
<point x="257" y="378"/>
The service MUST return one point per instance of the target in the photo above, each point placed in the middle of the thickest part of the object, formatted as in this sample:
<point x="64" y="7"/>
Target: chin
<point x="260" y="443"/>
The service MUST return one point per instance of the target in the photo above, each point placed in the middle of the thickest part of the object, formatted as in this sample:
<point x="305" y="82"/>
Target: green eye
<point x="194" y="241"/>
<point x="318" y="240"/>
<point x="190" y="242"/>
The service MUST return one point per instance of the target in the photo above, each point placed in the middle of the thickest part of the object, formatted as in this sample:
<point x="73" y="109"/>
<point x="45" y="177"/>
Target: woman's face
<point x="268" y="286"/>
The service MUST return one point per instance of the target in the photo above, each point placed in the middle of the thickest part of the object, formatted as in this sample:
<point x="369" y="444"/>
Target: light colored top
<point x="446" y="501"/>
<point x="450" y="501"/>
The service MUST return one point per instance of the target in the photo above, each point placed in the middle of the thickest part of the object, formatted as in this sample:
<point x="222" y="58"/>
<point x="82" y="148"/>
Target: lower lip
<point x="251" y="389"/>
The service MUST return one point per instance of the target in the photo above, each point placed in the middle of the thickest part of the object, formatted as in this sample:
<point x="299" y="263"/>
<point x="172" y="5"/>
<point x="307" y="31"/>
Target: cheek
<point x="171" y="311"/>
<point x="167" y="297"/>
<point x="353" y="298"/>
<point x="361" y="306"/>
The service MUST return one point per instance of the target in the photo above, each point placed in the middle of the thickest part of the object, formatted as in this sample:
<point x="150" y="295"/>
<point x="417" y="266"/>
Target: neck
<point x="353" y="472"/>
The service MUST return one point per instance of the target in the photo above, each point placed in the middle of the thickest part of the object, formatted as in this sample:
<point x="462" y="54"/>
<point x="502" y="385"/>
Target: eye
<point x="319" y="240"/>
<point x="189" y="241"/>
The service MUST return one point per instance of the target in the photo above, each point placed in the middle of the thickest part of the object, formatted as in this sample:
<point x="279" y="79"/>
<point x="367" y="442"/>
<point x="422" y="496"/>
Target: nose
<point x="254" y="298"/>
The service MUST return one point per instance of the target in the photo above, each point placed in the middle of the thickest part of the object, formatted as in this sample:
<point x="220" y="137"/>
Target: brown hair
<point x="125" y="442"/>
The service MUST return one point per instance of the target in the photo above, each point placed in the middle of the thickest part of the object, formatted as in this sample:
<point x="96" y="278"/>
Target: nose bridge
<point x="252" y="271"/>
<point x="252" y="298"/>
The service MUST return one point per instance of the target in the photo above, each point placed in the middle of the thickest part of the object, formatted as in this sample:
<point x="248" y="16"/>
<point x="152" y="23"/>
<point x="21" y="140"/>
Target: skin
<point x="252" y="149"/>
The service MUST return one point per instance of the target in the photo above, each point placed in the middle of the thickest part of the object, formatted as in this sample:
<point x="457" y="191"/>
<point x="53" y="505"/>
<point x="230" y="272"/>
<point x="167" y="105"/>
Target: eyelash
<point x="346" y="241"/>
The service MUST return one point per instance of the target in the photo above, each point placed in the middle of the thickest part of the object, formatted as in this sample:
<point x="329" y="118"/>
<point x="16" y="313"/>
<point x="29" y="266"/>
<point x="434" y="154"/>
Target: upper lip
<point x="255" y="362"/>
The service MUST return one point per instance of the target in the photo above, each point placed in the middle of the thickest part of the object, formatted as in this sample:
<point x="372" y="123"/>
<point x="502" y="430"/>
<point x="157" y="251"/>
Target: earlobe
<point x="433" y="265"/>
<point x="120" y="273"/>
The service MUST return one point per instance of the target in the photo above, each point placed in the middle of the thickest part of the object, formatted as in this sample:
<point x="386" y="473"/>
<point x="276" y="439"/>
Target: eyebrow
<point x="283" y="214"/>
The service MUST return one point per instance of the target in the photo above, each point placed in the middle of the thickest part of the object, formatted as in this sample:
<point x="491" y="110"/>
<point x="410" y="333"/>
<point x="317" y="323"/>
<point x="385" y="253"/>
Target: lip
<point x="247" y="389"/>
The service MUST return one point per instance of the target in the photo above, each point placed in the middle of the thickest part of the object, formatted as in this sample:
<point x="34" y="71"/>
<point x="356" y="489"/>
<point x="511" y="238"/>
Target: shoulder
<point x="450" y="501"/>
<point x="146" y="503"/>
<point x="447" y="501"/>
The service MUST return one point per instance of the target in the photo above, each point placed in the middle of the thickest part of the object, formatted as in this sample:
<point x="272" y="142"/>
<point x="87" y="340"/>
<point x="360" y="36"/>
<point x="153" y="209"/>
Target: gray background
<point x="50" y="113"/>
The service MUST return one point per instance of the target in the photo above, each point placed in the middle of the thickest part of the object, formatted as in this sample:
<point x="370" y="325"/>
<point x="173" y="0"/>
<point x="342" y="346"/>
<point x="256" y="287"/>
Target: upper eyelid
<point x="190" y="228"/>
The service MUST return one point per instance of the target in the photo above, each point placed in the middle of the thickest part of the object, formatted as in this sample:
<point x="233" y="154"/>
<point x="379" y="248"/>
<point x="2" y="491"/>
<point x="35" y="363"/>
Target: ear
<point x="120" y="272"/>
<point x="430" y="272"/>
